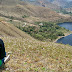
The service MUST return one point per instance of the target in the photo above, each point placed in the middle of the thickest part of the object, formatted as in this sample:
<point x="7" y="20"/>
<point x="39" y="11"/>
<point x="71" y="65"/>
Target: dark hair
<point x="2" y="49"/>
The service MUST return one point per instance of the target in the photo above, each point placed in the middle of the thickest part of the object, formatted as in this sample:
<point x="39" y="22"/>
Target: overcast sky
<point x="69" y="0"/>
<point x="66" y="0"/>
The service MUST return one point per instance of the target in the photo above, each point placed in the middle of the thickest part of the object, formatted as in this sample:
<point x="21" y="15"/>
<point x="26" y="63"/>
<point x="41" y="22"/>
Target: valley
<point x="20" y="21"/>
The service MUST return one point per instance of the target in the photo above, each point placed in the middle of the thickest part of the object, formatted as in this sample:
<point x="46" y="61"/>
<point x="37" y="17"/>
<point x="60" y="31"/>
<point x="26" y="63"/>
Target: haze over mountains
<point x="62" y="3"/>
<point x="44" y="3"/>
<point x="57" y="5"/>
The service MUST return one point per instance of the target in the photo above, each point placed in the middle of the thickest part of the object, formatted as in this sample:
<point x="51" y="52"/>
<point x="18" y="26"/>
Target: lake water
<point x="67" y="39"/>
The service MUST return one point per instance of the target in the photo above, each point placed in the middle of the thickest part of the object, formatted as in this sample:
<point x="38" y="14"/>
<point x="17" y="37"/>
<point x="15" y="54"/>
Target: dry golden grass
<point x="30" y="55"/>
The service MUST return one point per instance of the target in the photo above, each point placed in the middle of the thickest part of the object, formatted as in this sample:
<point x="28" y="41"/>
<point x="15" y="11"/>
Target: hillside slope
<point x="27" y="53"/>
<point x="69" y="9"/>
<point x="30" y="55"/>
<point x="27" y="12"/>
<point x="7" y="29"/>
<point x="44" y="3"/>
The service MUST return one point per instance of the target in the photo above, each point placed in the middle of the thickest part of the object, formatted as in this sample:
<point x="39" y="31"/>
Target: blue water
<point x="67" y="25"/>
<point x="67" y="39"/>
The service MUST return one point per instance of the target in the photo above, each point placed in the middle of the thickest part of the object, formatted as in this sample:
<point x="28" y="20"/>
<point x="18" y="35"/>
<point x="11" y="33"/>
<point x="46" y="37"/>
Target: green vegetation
<point x="11" y="18"/>
<point x="43" y="31"/>
<point x="24" y="16"/>
<point x="63" y="11"/>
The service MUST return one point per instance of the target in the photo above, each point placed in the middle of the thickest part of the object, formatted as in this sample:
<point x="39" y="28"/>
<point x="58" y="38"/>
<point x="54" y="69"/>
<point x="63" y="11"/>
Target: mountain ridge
<point x="30" y="11"/>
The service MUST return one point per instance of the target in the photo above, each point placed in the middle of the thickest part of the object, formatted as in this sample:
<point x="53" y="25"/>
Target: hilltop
<point x="56" y="5"/>
<point x="44" y="3"/>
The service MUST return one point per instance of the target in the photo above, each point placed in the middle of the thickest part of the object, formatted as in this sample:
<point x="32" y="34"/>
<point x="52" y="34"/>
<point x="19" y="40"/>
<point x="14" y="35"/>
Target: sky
<point x="69" y="0"/>
<point x="66" y="0"/>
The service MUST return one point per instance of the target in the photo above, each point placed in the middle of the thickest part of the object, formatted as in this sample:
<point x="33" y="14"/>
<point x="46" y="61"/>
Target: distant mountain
<point x="61" y="3"/>
<point x="69" y="9"/>
<point x="56" y="5"/>
<point x="27" y="12"/>
<point x="44" y="3"/>
<point x="52" y="3"/>
<point x="69" y="4"/>
<point x="9" y="2"/>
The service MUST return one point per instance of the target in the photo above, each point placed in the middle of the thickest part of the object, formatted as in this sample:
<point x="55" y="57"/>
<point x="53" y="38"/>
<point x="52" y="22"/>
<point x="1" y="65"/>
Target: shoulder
<point x="1" y="40"/>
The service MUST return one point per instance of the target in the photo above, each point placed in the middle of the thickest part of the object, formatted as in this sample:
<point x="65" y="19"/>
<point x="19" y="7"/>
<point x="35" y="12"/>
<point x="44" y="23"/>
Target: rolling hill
<point x="58" y="3"/>
<point x="26" y="12"/>
<point x="7" y="29"/>
<point x="44" y="3"/>
<point x="55" y="5"/>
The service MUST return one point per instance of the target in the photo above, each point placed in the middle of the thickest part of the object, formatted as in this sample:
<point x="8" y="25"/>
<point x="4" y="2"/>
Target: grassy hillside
<point x="30" y="55"/>
<point x="7" y="29"/>
<point x="27" y="12"/>
<point x="56" y="5"/>
<point x="27" y="53"/>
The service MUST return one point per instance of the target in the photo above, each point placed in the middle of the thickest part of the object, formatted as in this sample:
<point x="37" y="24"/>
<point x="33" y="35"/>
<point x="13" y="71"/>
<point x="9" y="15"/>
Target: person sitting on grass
<point x="2" y="52"/>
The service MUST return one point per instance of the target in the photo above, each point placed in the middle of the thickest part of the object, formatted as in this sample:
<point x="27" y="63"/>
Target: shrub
<point x="46" y="31"/>
<point x="24" y="16"/>
<point x="38" y="36"/>
<point x="11" y="17"/>
<point x="60" y="34"/>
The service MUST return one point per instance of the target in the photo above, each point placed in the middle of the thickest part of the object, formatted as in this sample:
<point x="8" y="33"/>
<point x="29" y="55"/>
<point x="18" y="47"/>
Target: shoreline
<point x="62" y="37"/>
